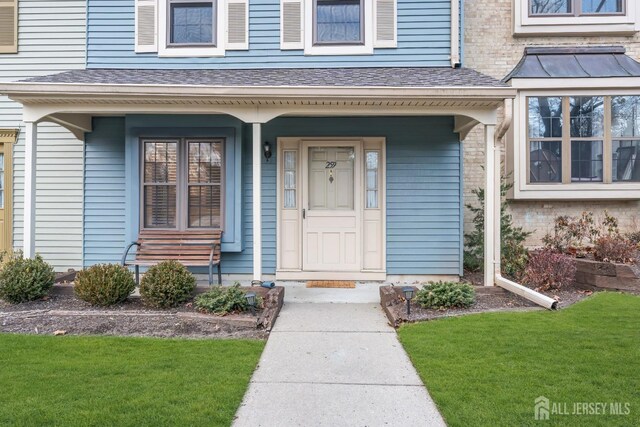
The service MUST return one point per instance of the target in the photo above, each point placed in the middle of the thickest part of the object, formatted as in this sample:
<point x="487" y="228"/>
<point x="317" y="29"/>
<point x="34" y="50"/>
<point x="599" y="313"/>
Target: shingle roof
<point x="574" y="62"/>
<point x="318" y="77"/>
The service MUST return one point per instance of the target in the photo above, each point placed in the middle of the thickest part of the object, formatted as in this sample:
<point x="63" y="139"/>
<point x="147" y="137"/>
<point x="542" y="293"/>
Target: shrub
<point x="577" y="235"/>
<point x="443" y="295"/>
<point x="514" y="254"/>
<point x="222" y="300"/>
<point x="548" y="269"/>
<point x="25" y="279"/>
<point x="614" y="249"/>
<point x="104" y="284"/>
<point x="167" y="284"/>
<point x="634" y="237"/>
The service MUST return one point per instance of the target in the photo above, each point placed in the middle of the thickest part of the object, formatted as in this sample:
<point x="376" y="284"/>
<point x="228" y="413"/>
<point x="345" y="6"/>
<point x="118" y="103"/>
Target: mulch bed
<point x="566" y="296"/>
<point x="487" y="300"/>
<point x="64" y="312"/>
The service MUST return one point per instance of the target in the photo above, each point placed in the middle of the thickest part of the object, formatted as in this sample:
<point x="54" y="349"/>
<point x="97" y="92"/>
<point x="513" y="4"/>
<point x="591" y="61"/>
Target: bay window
<point x="575" y="7"/>
<point x="583" y="139"/>
<point x="182" y="183"/>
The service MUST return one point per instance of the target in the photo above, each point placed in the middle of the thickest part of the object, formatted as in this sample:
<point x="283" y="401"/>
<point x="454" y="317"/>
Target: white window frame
<point x="362" y="48"/>
<point x="518" y="158"/>
<point x="166" y="50"/>
<point x="525" y="24"/>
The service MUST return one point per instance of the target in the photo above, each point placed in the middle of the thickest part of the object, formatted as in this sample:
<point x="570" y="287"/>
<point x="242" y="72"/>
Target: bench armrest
<point x="126" y="252"/>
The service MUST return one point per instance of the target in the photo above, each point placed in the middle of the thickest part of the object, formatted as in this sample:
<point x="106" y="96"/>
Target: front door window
<point x="331" y="178"/>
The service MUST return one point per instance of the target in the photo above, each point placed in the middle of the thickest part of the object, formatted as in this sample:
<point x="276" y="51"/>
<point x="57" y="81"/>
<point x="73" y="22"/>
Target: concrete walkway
<point x="332" y="364"/>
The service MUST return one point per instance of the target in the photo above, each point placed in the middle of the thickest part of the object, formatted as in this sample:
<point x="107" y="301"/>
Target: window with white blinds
<point x="183" y="183"/>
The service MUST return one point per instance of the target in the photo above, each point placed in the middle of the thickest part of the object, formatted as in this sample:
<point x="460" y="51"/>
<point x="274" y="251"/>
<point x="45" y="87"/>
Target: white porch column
<point x="30" y="150"/>
<point x="490" y="212"/>
<point x="257" y="201"/>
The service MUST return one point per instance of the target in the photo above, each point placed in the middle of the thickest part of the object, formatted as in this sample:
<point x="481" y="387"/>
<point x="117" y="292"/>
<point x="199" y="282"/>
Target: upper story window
<point x="8" y="26"/>
<point x="567" y="17"/>
<point x="575" y="7"/>
<point x="338" y="22"/>
<point x="338" y="27"/>
<point x="195" y="28"/>
<point x="192" y="23"/>
<point x="583" y="139"/>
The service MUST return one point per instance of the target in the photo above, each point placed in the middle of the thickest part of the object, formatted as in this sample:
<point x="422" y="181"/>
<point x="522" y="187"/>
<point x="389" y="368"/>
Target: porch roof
<point x="283" y="77"/>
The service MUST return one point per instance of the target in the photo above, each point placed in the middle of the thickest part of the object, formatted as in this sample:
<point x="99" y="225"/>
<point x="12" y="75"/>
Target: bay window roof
<point x="571" y="62"/>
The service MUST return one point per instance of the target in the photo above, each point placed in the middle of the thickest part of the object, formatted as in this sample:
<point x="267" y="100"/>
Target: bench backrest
<point x="184" y="246"/>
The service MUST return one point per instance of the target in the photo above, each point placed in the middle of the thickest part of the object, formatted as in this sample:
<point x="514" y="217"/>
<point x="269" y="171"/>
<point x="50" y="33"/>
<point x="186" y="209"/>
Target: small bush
<point x="614" y="249"/>
<point x="634" y="238"/>
<point x="443" y="295"/>
<point x="104" y="284"/>
<point x="25" y="279"/>
<point x="548" y="269"/>
<point x="223" y="300"/>
<point x="167" y="284"/>
<point x="513" y="253"/>
<point x="577" y="235"/>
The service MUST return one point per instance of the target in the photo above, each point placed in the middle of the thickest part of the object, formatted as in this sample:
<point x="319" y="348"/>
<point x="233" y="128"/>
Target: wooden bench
<point x="190" y="248"/>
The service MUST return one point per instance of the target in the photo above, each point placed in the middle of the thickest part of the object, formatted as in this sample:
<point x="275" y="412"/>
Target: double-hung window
<point x="191" y="23"/>
<point x="583" y="139"/>
<point x="338" y="27"/>
<point x="182" y="185"/>
<point x="191" y="28"/>
<point x="338" y="22"/>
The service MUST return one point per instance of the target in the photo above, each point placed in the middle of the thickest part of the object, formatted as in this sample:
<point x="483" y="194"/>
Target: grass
<point x="488" y="369"/>
<point x="91" y="381"/>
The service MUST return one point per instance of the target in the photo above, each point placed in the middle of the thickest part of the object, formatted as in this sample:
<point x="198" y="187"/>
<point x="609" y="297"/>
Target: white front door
<point x="331" y="239"/>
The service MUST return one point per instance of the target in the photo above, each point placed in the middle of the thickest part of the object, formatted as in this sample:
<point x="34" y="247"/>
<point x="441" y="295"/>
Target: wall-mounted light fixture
<point x="267" y="150"/>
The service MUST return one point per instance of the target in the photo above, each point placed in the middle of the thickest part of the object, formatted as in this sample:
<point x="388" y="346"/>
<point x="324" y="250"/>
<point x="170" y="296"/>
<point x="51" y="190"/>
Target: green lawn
<point x="487" y="369"/>
<point x="85" y="381"/>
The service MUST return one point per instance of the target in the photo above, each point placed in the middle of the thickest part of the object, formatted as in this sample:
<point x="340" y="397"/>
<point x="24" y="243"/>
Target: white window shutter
<point x="291" y="24"/>
<point x="237" y="25"/>
<point x="146" y="26"/>
<point x="8" y="26"/>
<point x="385" y="23"/>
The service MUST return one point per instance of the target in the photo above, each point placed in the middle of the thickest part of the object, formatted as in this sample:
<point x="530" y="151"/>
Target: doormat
<point x="331" y="284"/>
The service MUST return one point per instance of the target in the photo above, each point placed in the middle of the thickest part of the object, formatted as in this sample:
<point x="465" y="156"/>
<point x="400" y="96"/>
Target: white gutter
<point x="455" y="33"/>
<point x="503" y="282"/>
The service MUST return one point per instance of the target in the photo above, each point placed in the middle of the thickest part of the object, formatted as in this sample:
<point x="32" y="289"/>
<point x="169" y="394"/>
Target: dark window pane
<point x="626" y="161"/>
<point x="205" y="167"/>
<point x="204" y="206"/>
<point x="192" y="23"/>
<point x="545" y="117"/>
<point x="338" y="21"/>
<point x="550" y="7"/>
<point x="586" y="161"/>
<point x="160" y="206"/>
<point x="625" y="118"/>
<point x="545" y="161"/>
<point x="586" y="116"/>
<point x="205" y="162"/>
<point x="160" y="162"/>
<point x="601" y="6"/>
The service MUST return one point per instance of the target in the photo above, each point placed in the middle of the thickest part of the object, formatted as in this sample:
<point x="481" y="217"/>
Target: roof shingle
<point x="310" y="77"/>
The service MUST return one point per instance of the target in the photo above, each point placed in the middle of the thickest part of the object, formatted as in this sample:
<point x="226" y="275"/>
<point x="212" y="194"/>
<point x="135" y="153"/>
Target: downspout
<point x="503" y="282"/>
<point x="455" y="33"/>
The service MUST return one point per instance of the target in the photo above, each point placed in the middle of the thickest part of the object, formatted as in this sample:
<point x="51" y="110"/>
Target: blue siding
<point x="423" y="191"/>
<point x="104" y="192"/>
<point x="424" y="222"/>
<point x="424" y="39"/>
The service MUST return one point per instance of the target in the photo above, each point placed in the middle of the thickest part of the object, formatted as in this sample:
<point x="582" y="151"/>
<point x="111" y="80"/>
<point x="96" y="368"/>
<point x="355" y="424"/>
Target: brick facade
<point x="490" y="48"/>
